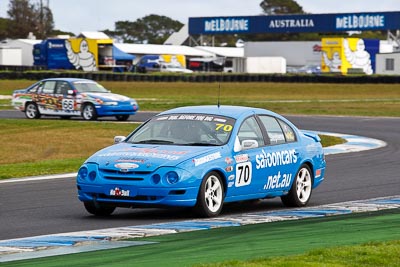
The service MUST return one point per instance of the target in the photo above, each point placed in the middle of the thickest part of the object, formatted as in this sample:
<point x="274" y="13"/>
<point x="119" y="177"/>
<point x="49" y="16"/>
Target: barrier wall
<point x="18" y="73"/>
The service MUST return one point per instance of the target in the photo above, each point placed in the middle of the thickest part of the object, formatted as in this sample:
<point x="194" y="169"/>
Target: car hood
<point x="139" y="157"/>
<point x="107" y="96"/>
<point x="20" y="91"/>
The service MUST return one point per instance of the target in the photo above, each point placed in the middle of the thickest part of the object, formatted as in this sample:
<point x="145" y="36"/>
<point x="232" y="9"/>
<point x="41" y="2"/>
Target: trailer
<point x="87" y="53"/>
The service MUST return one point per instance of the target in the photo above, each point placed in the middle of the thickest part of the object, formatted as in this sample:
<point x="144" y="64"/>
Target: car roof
<point x="67" y="79"/>
<point x="223" y="110"/>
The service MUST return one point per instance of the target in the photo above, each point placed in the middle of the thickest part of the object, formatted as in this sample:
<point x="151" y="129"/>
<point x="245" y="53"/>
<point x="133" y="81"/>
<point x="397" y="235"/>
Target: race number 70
<point x="243" y="174"/>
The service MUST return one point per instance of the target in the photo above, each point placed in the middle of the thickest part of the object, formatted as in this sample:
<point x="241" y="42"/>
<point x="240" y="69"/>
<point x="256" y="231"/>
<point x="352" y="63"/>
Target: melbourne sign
<point x="295" y="23"/>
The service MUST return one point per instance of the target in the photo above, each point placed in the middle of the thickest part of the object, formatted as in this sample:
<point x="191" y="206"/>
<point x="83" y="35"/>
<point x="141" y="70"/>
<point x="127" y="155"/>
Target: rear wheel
<point x="122" y="117"/>
<point x="32" y="111"/>
<point x="211" y="196"/>
<point x="89" y="112"/>
<point x="300" y="192"/>
<point x="98" y="209"/>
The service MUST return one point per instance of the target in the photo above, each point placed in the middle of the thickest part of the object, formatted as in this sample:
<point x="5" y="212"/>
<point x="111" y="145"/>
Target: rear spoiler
<point x="313" y="135"/>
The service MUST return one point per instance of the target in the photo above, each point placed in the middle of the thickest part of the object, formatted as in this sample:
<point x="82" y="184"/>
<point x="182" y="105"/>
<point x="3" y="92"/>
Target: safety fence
<point x="199" y="77"/>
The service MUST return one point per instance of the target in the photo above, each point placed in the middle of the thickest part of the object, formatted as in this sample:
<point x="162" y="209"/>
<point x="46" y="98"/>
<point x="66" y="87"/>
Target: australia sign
<point x="295" y="23"/>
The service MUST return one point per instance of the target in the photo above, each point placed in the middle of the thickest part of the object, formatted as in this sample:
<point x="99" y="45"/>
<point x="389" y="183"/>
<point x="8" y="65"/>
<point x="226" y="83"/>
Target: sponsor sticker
<point x="278" y="181"/>
<point x="207" y="158"/>
<point x="241" y="158"/>
<point x="118" y="192"/>
<point x="273" y="159"/>
<point x="126" y="165"/>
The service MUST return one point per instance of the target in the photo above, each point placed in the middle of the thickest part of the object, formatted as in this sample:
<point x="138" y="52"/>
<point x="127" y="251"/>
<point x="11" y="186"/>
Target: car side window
<point x="35" y="88"/>
<point x="62" y="88"/>
<point x="48" y="87"/>
<point x="250" y="130"/>
<point x="287" y="131"/>
<point x="273" y="129"/>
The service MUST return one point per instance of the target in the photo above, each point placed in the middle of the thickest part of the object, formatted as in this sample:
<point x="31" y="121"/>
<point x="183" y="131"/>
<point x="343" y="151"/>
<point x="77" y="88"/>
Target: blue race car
<point x="68" y="97"/>
<point x="202" y="157"/>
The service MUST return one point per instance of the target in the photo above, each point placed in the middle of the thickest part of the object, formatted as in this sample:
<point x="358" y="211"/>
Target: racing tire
<point x="122" y="117"/>
<point x="98" y="209"/>
<point x="32" y="111"/>
<point x="211" y="196"/>
<point x="300" y="192"/>
<point x="89" y="112"/>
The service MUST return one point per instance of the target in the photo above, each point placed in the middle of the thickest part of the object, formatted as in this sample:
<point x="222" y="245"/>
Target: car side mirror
<point x="119" y="139"/>
<point x="71" y="92"/>
<point x="247" y="144"/>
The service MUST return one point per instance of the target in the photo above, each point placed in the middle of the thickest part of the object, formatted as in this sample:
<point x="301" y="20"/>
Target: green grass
<point x="284" y="98"/>
<point x="41" y="147"/>
<point x="327" y="140"/>
<point x="363" y="239"/>
<point x="367" y="254"/>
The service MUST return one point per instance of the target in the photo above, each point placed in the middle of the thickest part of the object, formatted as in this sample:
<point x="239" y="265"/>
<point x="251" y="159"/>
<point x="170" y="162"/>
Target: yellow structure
<point x="90" y="54"/>
<point x="338" y="55"/>
<point x="177" y="59"/>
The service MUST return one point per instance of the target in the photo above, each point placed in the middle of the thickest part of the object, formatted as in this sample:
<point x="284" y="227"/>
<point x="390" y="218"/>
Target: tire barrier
<point x="15" y="74"/>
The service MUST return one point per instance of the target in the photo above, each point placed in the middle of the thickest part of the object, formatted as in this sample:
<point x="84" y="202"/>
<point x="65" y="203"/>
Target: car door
<point x="247" y="178"/>
<point x="278" y="159"/>
<point x="66" y="103"/>
<point x="45" y="99"/>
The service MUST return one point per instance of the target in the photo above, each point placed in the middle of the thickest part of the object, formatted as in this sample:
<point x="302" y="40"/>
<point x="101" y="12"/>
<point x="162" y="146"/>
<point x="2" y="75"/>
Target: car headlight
<point x="171" y="177"/>
<point x="83" y="173"/>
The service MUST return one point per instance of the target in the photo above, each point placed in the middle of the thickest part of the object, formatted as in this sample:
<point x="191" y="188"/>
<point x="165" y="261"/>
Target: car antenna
<point x="219" y="89"/>
<point x="219" y="92"/>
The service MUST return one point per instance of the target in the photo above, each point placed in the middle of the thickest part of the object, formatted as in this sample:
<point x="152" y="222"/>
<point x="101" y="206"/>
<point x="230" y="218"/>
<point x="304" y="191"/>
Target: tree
<point x="279" y="7"/>
<point x="153" y="29"/>
<point x="22" y="18"/>
<point x="45" y="21"/>
<point x="25" y="17"/>
<point x="3" y="28"/>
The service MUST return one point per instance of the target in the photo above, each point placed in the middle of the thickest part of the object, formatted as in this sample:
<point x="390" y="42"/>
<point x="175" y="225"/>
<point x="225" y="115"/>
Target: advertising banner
<point x="341" y="54"/>
<point x="295" y="23"/>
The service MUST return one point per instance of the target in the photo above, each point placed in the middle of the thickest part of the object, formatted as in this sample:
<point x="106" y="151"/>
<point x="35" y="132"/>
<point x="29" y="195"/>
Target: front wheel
<point x="32" y="111"/>
<point x="211" y="196"/>
<point x="300" y="192"/>
<point x="98" y="209"/>
<point x="89" y="112"/>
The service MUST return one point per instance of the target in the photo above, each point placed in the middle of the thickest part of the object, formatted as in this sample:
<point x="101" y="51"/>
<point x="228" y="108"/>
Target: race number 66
<point x="68" y="104"/>
<point x="243" y="174"/>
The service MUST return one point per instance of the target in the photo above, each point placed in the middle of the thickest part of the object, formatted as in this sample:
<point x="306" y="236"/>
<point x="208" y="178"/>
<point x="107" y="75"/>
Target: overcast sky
<point x="94" y="15"/>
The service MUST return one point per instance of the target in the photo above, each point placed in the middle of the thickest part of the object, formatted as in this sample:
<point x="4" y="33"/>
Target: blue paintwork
<point x="141" y="179"/>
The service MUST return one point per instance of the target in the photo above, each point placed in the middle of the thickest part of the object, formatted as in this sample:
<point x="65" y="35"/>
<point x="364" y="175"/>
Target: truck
<point x="52" y="54"/>
<point x="80" y="53"/>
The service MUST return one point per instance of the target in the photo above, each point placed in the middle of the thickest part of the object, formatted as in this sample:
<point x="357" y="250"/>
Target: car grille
<point x="123" y="176"/>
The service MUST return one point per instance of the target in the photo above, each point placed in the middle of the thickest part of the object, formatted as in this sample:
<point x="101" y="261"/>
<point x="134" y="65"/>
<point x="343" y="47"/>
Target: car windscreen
<point x="89" y="87"/>
<point x="185" y="129"/>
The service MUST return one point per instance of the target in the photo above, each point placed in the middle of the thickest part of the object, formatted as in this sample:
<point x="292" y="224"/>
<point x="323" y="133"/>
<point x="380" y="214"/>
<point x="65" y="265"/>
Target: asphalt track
<point x="51" y="206"/>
